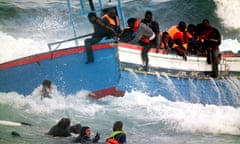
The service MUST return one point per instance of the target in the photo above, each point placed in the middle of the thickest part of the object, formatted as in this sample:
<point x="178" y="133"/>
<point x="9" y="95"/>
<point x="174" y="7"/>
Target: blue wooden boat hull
<point x="66" y="68"/>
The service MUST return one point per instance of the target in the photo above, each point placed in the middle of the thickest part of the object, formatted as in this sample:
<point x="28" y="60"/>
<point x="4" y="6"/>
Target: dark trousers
<point x="144" y="53"/>
<point x="88" y="44"/>
<point x="212" y="58"/>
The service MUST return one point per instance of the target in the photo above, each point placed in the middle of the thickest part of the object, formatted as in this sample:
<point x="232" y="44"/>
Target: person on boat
<point x="193" y="47"/>
<point x="118" y="136"/>
<point x="126" y="35"/>
<point x="101" y="30"/>
<point x="143" y="36"/>
<point x="46" y="89"/>
<point x="148" y="20"/>
<point x="164" y="43"/>
<point x="112" y="19"/>
<point x="85" y="136"/>
<point x="61" y="129"/>
<point x="179" y="39"/>
<point x="210" y="40"/>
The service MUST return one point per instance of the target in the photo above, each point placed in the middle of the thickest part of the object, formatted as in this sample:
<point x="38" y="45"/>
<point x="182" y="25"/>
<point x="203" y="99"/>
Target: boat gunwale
<point x="52" y="55"/>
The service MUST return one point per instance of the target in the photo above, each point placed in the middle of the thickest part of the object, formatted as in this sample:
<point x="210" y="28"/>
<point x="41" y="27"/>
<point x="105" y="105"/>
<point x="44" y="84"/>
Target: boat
<point x="159" y="63"/>
<point x="65" y="64"/>
<point x="174" y="65"/>
<point x="66" y="69"/>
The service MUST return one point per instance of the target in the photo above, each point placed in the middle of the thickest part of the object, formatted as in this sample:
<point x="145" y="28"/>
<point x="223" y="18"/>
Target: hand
<point x="96" y="138"/>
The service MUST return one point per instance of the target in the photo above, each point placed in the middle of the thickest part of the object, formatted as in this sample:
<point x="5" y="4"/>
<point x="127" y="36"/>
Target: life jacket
<point x="175" y="33"/>
<point x="189" y="35"/>
<point x="111" y="139"/>
<point x="205" y="34"/>
<point x="112" y="21"/>
<point x="136" y="25"/>
<point x="172" y="31"/>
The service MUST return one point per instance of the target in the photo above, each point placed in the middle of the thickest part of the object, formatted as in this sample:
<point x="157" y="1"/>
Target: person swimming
<point x="85" y="136"/>
<point x="46" y="89"/>
<point x="61" y="129"/>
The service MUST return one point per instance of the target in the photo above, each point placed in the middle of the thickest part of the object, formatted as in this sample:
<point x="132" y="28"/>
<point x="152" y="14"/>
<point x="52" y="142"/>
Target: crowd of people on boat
<point x="202" y="39"/>
<point x="82" y="134"/>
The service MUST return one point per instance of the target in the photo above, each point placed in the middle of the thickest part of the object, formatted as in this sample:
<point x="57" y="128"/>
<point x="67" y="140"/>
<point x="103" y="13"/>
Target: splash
<point x="14" y="48"/>
<point x="135" y="108"/>
<point x="229" y="13"/>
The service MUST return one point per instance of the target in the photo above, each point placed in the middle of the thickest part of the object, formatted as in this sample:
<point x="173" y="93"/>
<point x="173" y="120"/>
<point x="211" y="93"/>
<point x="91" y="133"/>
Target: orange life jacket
<point x="144" y="39"/>
<point x="111" y="20"/>
<point x="175" y="33"/>
<point x="111" y="140"/>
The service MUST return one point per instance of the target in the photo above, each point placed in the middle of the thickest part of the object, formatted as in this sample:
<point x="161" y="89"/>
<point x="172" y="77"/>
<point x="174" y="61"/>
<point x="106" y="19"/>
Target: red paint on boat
<point x="112" y="91"/>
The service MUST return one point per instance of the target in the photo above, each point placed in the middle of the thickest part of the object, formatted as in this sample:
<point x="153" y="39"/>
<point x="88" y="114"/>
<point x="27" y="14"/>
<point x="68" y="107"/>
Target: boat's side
<point x="66" y="68"/>
<point x="173" y="65"/>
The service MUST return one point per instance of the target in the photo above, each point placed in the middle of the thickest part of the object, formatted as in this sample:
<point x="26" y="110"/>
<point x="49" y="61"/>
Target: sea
<point x="27" y="26"/>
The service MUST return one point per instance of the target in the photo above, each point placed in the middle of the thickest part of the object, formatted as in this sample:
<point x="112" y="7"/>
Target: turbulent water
<point x="26" y="27"/>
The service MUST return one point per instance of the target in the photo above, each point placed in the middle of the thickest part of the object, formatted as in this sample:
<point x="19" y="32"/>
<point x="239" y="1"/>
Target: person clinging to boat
<point x="209" y="38"/>
<point x="46" y="89"/>
<point x="149" y="21"/>
<point x="143" y="35"/>
<point x="101" y="30"/>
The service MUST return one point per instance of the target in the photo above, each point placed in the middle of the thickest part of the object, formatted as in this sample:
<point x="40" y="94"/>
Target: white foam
<point x="13" y="48"/>
<point x="134" y="106"/>
<point x="229" y="12"/>
<point x="230" y="44"/>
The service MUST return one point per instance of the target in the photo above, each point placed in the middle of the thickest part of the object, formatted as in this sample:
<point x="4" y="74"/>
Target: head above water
<point x="76" y="128"/>
<point x="117" y="126"/>
<point x="64" y="123"/>
<point x="47" y="83"/>
<point x="85" y="131"/>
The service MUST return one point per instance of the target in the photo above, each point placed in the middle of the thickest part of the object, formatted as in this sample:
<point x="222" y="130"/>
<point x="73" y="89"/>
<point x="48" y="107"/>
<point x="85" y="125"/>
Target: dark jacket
<point x="59" y="132"/>
<point x="84" y="139"/>
<point x="155" y="28"/>
<point x="100" y="30"/>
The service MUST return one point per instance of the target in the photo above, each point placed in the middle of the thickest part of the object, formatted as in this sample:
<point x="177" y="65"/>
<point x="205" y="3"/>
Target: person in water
<point x="143" y="36"/>
<point x="61" y="129"/>
<point x="118" y="136"/>
<point x="46" y="89"/>
<point x="76" y="129"/>
<point x="101" y="30"/>
<point x="85" y="136"/>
